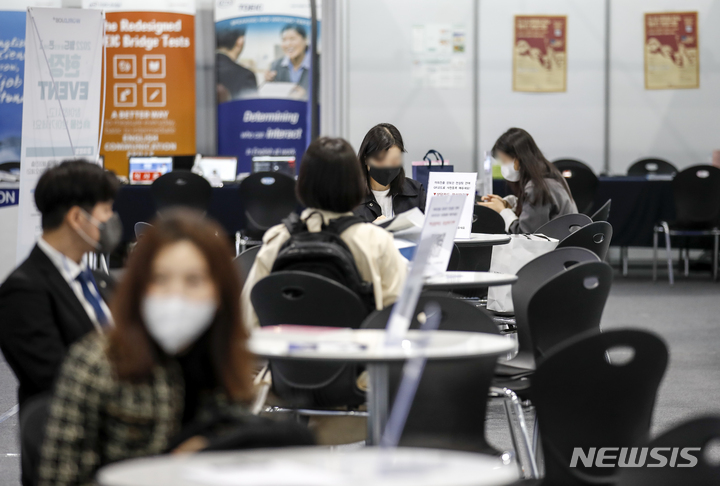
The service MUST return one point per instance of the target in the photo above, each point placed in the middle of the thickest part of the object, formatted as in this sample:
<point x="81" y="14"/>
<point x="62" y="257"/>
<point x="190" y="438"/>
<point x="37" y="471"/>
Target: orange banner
<point x="672" y="52"/>
<point x="150" y="93"/>
<point x="539" y="53"/>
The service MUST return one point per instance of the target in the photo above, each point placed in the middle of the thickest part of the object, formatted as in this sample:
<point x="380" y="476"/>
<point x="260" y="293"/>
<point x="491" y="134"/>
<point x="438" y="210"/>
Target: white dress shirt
<point x="70" y="271"/>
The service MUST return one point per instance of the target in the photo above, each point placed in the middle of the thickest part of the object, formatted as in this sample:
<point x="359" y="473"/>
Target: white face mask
<point x="509" y="173"/>
<point x="175" y="322"/>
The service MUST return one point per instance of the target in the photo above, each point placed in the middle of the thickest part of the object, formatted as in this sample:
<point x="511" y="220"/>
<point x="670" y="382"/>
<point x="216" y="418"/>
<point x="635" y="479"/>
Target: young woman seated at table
<point x="330" y="184"/>
<point x="388" y="192"/>
<point x="540" y="192"/>
<point x="177" y="354"/>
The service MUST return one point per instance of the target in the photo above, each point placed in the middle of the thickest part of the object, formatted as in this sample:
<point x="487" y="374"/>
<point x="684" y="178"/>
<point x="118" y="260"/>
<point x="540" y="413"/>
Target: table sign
<point x="452" y="183"/>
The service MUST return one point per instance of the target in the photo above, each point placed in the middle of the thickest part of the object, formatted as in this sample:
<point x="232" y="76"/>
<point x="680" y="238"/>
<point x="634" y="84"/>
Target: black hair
<point x="297" y="28"/>
<point x="330" y="176"/>
<point x="72" y="183"/>
<point x="518" y="144"/>
<point x="381" y="138"/>
<point x="226" y="38"/>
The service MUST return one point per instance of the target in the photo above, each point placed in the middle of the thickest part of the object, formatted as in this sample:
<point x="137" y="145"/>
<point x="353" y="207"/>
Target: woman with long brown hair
<point x="177" y="351"/>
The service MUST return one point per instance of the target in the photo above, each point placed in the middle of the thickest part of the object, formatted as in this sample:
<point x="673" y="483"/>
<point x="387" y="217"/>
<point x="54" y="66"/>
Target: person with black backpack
<point x="327" y="239"/>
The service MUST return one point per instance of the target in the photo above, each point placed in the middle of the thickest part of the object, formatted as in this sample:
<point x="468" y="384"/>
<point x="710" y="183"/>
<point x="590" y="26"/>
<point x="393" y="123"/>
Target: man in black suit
<point x="52" y="300"/>
<point x="234" y="81"/>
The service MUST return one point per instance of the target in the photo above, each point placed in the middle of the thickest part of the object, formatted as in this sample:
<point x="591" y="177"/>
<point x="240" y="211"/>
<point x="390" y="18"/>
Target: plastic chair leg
<point x="668" y="249"/>
<point x="655" y="253"/>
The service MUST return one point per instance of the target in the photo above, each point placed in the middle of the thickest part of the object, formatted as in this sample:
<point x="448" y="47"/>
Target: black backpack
<point x="324" y="253"/>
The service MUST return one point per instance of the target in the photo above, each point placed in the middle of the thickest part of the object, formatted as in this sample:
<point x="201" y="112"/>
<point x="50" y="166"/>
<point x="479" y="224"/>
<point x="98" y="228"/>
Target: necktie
<point x="87" y="280"/>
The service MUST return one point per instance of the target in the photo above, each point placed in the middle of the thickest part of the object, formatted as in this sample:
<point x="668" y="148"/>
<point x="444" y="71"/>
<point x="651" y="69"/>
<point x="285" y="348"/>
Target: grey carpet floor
<point x="687" y="316"/>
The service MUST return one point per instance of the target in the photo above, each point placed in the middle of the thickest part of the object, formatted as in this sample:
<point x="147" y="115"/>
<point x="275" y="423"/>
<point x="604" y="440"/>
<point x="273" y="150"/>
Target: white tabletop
<point x="313" y="466"/>
<point x="368" y="345"/>
<point x="482" y="239"/>
<point x="457" y="280"/>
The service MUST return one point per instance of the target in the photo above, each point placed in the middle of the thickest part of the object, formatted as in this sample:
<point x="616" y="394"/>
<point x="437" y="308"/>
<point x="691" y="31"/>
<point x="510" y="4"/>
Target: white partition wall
<point x="681" y="125"/>
<point x="381" y="87"/>
<point x="569" y="124"/>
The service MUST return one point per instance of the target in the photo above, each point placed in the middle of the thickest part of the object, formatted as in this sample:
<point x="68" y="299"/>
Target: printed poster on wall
<point x="672" y="51"/>
<point x="264" y="80"/>
<point x="540" y="53"/>
<point x="439" y="55"/>
<point x="12" y="65"/>
<point x="150" y="69"/>
<point x="61" y="101"/>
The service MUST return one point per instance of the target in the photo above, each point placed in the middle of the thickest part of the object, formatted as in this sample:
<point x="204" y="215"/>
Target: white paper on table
<point x="271" y="473"/>
<point x="455" y="183"/>
<point x="412" y="218"/>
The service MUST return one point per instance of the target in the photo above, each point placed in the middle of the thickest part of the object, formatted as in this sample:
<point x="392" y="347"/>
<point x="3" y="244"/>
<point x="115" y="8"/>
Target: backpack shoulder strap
<point x="338" y="225"/>
<point x="294" y="224"/>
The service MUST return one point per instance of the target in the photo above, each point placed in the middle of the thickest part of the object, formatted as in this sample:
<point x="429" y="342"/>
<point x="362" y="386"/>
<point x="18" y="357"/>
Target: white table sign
<point x="455" y="183"/>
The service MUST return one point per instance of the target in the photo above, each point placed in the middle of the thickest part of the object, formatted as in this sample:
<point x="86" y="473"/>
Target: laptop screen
<point x="144" y="170"/>
<point x="286" y="165"/>
<point x="223" y="168"/>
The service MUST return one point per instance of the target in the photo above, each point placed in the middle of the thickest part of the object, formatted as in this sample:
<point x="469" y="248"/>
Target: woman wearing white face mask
<point x="540" y="192"/>
<point x="177" y="353"/>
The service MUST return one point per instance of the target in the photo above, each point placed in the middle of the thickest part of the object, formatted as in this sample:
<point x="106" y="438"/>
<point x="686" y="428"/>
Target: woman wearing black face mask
<point x="389" y="192"/>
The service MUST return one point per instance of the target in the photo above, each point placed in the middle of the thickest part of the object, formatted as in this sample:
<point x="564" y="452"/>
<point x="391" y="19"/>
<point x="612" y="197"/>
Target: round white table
<point x="467" y="280"/>
<point x="368" y="346"/>
<point x="313" y="466"/>
<point x="482" y="239"/>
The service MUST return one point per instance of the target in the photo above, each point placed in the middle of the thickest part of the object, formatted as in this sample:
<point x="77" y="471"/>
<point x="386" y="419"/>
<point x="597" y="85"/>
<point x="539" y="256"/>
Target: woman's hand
<point x="494" y="202"/>
<point x="270" y="75"/>
<point x="193" y="444"/>
<point x="379" y="218"/>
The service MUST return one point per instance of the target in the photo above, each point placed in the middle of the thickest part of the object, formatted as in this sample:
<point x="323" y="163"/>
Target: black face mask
<point x="384" y="175"/>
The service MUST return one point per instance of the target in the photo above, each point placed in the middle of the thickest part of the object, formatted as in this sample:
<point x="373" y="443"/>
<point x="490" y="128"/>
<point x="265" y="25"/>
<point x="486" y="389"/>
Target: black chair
<point x="595" y="237"/>
<point x="454" y="262"/>
<point x="531" y="277"/>
<point x="181" y="188"/>
<point x="244" y="261"/>
<point x="696" y="191"/>
<point x="450" y="405"/>
<point x="602" y="214"/>
<point x="587" y="397"/>
<point x="696" y="433"/>
<point x="11" y="167"/>
<point x="486" y="220"/>
<point x="562" y="226"/>
<point x="267" y="198"/>
<point x="582" y="182"/>
<point x="307" y="299"/>
<point x="651" y="166"/>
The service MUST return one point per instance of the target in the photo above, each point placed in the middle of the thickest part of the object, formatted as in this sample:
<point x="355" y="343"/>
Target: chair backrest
<point x="588" y="398"/>
<point x="181" y="188"/>
<point x="568" y="304"/>
<point x="603" y="213"/>
<point x="697" y="195"/>
<point x="651" y="166"/>
<point x="530" y="278"/>
<point x="696" y="433"/>
<point x="12" y="167"/>
<point x="454" y="262"/>
<point x="486" y="220"/>
<point x="140" y="229"/>
<point x="266" y="198"/>
<point x="562" y="226"/>
<point x="595" y="237"/>
<point x="448" y="411"/>
<point x="244" y="261"/>
<point x="310" y="300"/>
<point x="582" y="182"/>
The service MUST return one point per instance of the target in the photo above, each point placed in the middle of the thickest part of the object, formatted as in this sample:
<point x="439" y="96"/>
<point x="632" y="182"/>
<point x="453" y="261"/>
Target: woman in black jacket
<point x="389" y="192"/>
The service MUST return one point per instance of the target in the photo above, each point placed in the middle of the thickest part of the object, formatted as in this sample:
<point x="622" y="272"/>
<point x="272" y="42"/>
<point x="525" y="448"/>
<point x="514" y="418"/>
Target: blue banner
<point x="12" y="69"/>
<point x="264" y="79"/>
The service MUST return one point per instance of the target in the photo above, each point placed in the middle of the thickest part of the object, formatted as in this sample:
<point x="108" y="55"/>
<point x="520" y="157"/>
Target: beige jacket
<point x="376" y="257"/>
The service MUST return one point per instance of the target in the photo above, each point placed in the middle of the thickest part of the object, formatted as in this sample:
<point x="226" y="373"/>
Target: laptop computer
<point x="144" y="170"/>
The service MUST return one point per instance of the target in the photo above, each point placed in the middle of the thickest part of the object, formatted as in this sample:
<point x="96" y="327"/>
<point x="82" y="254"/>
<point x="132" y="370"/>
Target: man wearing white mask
<point x="540" y="193"/>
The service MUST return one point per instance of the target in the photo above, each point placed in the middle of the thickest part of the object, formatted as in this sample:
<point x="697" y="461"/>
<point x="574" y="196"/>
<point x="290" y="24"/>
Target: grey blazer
<point x="535" y="215"/>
